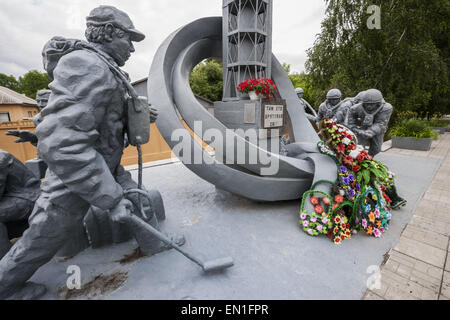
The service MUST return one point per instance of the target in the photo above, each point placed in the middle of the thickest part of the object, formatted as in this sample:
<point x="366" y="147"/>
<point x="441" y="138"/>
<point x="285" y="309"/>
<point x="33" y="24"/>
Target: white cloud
<point x="28" y="24"/>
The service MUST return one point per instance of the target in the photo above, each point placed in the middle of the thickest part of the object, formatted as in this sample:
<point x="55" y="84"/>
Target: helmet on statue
<point x="334" y="94"/>
<point x="299" y="91"/>
<point x="373" y="96"/>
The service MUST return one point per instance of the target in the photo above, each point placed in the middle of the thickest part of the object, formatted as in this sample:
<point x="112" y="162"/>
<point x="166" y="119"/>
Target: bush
<point x="438" y="123"/>
<point x="413" y="128"/>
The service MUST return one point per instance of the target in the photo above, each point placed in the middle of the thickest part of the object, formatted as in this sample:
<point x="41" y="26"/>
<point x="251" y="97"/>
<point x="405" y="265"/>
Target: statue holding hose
<point x="81" y="139"/>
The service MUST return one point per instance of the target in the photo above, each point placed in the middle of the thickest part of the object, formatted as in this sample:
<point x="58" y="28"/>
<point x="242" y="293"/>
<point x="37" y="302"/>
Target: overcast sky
<point x="28" y="24"/>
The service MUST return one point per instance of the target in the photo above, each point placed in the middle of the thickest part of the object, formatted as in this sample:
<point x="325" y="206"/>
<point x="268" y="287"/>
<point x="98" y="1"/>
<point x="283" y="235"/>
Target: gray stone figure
<point x="42" y="97"/>
<point x="342" y="113"/>
<point x="306" y="105"/>
<point x="374" y="115"/>
<point x="19" y="189"/>
<point x="330" y="107"/>
<point x="81" y="138"/>
<point x="98" y="230"/>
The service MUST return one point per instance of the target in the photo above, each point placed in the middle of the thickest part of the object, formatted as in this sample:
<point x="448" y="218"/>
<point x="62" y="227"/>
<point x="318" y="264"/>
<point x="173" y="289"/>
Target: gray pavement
<point x="274" y="259"/>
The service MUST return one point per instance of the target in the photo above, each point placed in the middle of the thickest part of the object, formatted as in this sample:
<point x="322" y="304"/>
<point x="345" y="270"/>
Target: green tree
<point x="207" y="80"/>
<point x="301" y="80"/>
<point x="33" y="81"/>
<point x="407" y="59"/>
<point x="9" y="82"/>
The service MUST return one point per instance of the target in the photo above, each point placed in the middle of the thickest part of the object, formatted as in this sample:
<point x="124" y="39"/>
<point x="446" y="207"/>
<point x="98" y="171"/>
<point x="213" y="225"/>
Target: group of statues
<point x="367" y="115"/>
<point x="80" y="136"/>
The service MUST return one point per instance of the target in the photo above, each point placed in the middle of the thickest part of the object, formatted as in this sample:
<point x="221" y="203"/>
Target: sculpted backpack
<point x="138" y="128"/>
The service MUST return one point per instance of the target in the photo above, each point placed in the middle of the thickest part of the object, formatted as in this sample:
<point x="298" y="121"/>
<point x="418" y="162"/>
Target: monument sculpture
<point x="374" y="114"/>
<point x="19" y="189"/>
<point x="42" y="97"/>
<point x="243" y="39"/>
<point x="81" y="139"/>
<point x="346" y="105"/>
<point x="330" y="108"/>
<point x="306" y="105"/>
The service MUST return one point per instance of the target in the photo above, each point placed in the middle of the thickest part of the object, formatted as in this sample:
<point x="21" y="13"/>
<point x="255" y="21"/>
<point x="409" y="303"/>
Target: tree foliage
<point x="407" y="59"/>
<point x="301" y="80"/>
<point x="29" y="84"/>
<point x="207" y="80"/>
<point x="33" y="81"/>
<point x="9" y="82"/>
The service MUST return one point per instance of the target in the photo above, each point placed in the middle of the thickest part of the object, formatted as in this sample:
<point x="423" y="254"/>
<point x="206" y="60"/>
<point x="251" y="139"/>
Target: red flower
<point x="360" y="157"/>
<point x="314" y="201"/>
<point x="342" y="237"/>
<point x="326" y="200"/>
<point x="338" y="198"/>
<point x="356" y="168"/>
<point x="348" y="160"/>
<point x="318" y="209"/>
<point x="352" y="146"/>
<point x="340" y="148"/>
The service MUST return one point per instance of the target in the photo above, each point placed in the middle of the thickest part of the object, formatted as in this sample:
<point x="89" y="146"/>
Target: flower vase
<point x="253" y="96"/>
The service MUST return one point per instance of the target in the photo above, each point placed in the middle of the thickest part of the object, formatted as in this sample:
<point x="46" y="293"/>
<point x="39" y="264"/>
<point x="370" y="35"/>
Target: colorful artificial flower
<point x="338" y="198"/>
<point x="314" y="201"/>
<point x="371" y="217"/>
<point x="326" y="200"/>
<point x="348" y="160"/>
<point x="318" y="209"/>
<point x="356" y="168"/>
<point x="343" y="169"/>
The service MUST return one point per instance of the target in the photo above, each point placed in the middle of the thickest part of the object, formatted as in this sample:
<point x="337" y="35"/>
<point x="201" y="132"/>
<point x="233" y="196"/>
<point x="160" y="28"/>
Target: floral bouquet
<point x="262" y="86"/>
<point x="373" y="214"/>
<point x="319" y="221"/>
<point x="359" y="199"/>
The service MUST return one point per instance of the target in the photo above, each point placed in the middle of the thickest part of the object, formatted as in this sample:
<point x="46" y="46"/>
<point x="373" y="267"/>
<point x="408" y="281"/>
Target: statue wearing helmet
<point x="342" y="113"/>
<point x="330" y="107"/>
<point x="369" y="120"/>
<point x="306" y="105"/>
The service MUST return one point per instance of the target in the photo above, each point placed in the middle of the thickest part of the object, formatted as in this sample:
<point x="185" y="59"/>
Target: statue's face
<point x="120" y="48"/>
<point x="371" y="107"/>
<point x="42" y="101"/>
<point x="334" y="101"/>
<point x="300" y="95"/>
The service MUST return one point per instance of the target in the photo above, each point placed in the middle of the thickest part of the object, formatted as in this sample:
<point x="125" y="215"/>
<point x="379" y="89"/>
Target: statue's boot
<point x="30" y="291"/>
<point x="5" y="244"/>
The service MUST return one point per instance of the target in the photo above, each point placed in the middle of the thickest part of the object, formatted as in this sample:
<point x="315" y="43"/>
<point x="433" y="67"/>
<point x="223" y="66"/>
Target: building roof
<point x="8" y="96"/>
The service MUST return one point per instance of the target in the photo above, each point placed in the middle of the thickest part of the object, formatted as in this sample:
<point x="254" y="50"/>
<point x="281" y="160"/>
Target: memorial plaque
<point x="273" y="116"/>
<point x="250" y="113"/>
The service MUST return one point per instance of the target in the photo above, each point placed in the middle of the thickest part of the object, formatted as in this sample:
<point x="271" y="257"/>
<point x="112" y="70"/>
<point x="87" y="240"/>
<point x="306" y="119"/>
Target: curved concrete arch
<point x="169" y="91"/>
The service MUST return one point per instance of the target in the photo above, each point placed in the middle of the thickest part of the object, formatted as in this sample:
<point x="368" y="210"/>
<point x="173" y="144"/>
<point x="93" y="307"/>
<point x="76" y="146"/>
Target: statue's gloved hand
<point x="153" y="114"/>
<point x="134" y="198"/>
<point x="121" y="211"/>
<point x="23" y="135"/>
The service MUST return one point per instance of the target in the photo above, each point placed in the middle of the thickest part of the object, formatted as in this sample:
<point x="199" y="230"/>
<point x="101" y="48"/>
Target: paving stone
<point x="431" y="225"/>
<point x="429" y="237"/>
<point x="422" y="251"/>
<point x="445" y="291"/>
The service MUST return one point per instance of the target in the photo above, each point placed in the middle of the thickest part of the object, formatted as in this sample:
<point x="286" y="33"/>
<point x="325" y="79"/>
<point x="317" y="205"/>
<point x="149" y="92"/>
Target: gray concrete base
<point x="274" y="259"/>
<point x="421" y="144"/>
